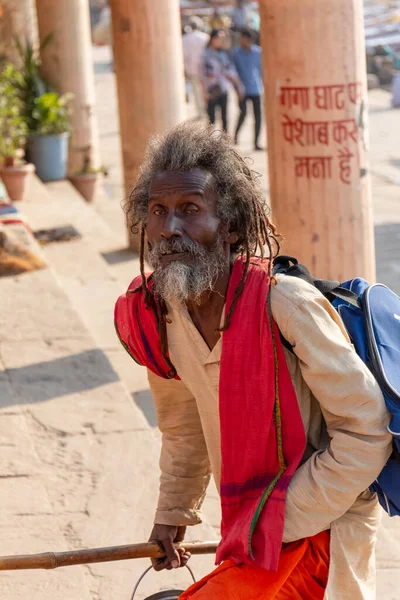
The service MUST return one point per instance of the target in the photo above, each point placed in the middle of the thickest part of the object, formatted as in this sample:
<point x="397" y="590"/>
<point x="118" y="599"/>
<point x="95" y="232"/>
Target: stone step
<point x="110" y="208"/>
<point x="93" y="270"/>
<point x="70" y="438"/>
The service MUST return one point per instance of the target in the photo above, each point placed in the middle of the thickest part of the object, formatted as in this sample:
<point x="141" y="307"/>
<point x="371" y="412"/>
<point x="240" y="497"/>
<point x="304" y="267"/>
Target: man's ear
<point x="232" y="237"/>
<point x="229" y="237"/>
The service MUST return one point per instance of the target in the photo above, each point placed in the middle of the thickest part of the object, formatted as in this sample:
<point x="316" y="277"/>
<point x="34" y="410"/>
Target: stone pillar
<point x="68" y="65"/>
<point x="17" y="19"/>
<point x="150" y="76"/>
<point x="316" y="111"/>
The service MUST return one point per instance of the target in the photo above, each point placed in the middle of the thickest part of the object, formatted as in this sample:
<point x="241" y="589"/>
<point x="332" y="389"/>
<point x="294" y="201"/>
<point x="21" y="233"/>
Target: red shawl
<point x="262" y="434"/>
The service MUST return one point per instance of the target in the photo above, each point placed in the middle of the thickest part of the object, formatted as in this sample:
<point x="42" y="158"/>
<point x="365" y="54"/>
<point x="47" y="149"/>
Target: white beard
<point x="180" y="282"/>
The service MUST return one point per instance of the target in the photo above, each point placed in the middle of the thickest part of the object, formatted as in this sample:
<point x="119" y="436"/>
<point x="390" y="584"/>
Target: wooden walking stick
<point x="52" y="560"/>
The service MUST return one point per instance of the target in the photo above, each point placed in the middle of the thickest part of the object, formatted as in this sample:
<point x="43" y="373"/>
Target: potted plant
<point x="48" y="137"/>
<point x="28" y="79"/>
<point x="14" y="171"/>
<point x="46" y="113"/>
<point x="85" y="180"/>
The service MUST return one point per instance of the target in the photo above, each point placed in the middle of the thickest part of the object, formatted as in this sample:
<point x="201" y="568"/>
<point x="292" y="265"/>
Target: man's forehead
<point x="177" y="181"/>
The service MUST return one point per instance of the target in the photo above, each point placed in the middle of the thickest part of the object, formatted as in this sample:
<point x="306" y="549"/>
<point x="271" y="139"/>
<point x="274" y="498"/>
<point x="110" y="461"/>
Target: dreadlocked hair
<point x="240" y="202"/>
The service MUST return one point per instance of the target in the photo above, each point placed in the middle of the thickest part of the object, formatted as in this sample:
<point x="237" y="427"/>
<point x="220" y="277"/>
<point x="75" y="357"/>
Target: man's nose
<point x="171" y="227"/>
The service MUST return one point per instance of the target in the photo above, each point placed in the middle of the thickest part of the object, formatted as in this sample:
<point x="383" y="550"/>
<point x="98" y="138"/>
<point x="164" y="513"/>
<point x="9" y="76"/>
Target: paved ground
<point x="79" y="445"/>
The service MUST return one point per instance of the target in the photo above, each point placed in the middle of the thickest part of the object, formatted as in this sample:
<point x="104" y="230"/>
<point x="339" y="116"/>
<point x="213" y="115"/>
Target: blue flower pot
<point x="49" y="154"/>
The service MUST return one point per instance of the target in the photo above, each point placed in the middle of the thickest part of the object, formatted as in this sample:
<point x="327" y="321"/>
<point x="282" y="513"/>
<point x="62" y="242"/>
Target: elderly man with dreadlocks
<point x="293" y="439"/>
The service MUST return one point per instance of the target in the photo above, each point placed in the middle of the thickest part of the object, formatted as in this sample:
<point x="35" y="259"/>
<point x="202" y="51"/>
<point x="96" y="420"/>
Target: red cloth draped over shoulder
<point x="262" y="434"/>
<point x="302" y="575"/>
<point x="136" y="328"/>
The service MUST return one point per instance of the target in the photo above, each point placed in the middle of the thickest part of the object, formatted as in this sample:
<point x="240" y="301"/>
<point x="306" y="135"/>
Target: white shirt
<point x="193" y="44"/>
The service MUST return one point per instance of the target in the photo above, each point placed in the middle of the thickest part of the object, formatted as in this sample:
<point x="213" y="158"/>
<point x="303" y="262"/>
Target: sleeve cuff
<point x="177" y="517"/>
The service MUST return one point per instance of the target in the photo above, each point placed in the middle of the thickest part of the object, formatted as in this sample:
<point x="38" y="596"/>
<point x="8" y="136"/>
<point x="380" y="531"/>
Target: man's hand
<point x="166" y="535"/>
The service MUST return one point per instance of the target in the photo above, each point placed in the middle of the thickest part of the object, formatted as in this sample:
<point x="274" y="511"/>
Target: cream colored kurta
<point x="344" y="416"/>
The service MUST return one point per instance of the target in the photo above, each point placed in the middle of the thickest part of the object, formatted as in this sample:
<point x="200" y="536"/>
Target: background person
<point x="240" y="15"/>
<point x="194" y="44"/>
<point x="247" y="61"/>
<point x="239" y="21"/>
<point x="218" y="20"/>
<point x="217" y="72"/>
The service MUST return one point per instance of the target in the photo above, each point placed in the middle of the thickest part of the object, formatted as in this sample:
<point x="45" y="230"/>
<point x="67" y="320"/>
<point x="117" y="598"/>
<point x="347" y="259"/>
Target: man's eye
<point x="191" y="209"/>
<point x="158" y="211"/>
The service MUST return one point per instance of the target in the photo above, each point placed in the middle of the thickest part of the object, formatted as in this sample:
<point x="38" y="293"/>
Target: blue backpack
<point x="371" y="315"/>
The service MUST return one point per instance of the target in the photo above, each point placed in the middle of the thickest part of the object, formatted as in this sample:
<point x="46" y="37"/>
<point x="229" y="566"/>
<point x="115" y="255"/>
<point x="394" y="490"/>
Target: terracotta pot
<point x="85" y="183"/>
<point x="17" y="180"/>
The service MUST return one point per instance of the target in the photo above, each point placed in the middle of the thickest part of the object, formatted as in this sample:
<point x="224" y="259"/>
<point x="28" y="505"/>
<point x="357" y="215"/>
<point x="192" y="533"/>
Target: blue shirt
<point x="248" y="66"/>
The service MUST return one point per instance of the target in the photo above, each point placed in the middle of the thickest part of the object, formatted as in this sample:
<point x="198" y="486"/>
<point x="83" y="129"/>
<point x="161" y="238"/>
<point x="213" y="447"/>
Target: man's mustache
<point x="175" y="245"/>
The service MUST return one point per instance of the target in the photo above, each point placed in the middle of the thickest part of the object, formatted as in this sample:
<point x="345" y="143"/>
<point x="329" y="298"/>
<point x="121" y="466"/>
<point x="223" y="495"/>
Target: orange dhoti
<point x="302" y="575"/>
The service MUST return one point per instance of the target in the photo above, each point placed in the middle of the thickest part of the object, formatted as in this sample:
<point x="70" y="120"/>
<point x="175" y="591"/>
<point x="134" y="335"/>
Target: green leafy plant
<point x="13" y="126"/>
<point x="28" y="79"/>
<point x="51" y="113"/>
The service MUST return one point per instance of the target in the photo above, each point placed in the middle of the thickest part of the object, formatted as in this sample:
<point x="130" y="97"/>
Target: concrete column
<point x="68" y="65"/>
<point x="315" y="98"/>
<point x="17" y="19"/>
<point x="150" y="75"/>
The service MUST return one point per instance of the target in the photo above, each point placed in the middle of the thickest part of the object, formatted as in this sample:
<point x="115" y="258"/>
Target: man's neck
<point x="211" y="300"/>
<point x="206" y="314"/>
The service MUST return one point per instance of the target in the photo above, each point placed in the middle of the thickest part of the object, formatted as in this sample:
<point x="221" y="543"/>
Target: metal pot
<point x="164" y="594"/>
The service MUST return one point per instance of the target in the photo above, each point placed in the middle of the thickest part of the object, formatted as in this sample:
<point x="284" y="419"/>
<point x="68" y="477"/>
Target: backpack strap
<point x="288" y="265"/>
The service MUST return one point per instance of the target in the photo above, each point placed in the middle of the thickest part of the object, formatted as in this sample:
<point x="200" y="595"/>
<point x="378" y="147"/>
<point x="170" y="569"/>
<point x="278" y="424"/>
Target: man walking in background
<point x="194" y="44"/>
<point x="247" y="60"/>
<point x="218" y="72"/>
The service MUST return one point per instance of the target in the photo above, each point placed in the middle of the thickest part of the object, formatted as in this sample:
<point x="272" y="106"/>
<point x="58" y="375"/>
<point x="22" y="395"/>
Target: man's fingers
<point x="165" y="535"/>
<point x="185" y="559"/>
<point x="159" y="564"/>
<point x="172" y="555"/>
<point x="180" y="536"/>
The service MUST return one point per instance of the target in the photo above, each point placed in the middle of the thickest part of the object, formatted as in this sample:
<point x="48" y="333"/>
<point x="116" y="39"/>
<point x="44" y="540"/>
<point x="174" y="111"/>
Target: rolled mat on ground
<point x="302" y="574"/>
<point x="19" y="251"/>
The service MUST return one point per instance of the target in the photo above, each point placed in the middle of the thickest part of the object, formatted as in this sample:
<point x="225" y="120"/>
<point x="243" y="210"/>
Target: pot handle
<point x="147" y="571"/>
